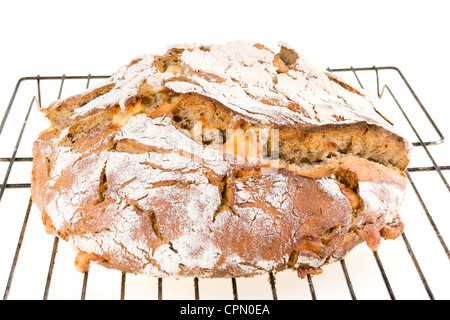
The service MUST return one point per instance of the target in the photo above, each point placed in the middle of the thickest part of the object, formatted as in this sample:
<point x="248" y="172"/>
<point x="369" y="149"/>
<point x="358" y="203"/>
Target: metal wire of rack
<point x="382" y="90"/>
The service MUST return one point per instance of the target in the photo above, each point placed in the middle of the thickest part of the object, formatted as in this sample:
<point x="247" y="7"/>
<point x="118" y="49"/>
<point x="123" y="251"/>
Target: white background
<point x="51" y="38"/>
<point x="82" y="37"/>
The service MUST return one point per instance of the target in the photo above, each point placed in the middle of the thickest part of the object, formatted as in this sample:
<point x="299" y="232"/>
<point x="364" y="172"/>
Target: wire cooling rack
<point x="34" y="265"/>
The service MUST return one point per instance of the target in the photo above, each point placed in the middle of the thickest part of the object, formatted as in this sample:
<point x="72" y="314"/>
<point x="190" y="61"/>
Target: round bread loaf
<point x="219" y="161"/>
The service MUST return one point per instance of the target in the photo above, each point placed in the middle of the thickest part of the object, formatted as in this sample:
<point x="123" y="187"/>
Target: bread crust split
<point x="219" y="161"/>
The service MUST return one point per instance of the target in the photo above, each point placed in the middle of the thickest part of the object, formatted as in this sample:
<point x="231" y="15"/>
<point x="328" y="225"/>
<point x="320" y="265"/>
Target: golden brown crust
<point x="319" y="227"/>
<point x="134" y="187"/>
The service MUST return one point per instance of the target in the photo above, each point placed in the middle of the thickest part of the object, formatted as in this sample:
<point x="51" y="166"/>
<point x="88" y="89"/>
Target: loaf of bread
<point x="219" y="161"/>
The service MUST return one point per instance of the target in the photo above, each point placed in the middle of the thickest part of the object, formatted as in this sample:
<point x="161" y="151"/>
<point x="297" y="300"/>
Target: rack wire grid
<point x="35" y="265"/>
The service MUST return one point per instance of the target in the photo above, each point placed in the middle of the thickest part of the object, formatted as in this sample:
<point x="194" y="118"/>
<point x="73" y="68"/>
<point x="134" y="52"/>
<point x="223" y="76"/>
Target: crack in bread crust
<point x="143" y="176"/>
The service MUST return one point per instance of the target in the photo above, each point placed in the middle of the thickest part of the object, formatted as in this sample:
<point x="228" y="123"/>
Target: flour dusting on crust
<point x="250" y="84"/>
<point x="143" y="196"/>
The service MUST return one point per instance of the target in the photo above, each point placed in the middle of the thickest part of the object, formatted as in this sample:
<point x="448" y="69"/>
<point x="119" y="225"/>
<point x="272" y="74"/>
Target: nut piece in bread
<point x="219" y="161"/>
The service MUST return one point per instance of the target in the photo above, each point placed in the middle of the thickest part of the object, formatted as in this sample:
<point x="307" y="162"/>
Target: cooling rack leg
<point x="196" y="289"/>
<point x="347" y="279"/>
<point x="234" y="286"/>
<point x="16" y="255"/>
<point x="83" y="289"/>
<point x="122" y="286"/>
<point x="273" y="286"/>
<point x="311" y="287"/>
<point x="50" y="268"/>
<point x="416" y="264"/>
<point x="160" y="287"/>
<point x="383" y="274"/>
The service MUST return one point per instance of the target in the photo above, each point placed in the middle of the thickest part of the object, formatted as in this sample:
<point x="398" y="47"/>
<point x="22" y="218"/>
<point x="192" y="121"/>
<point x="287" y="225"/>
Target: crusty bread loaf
<point x="219" y="161"/>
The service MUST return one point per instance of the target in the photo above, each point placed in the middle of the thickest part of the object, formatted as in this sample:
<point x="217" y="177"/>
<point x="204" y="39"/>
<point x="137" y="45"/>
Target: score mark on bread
<point x="219" y="161"/>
